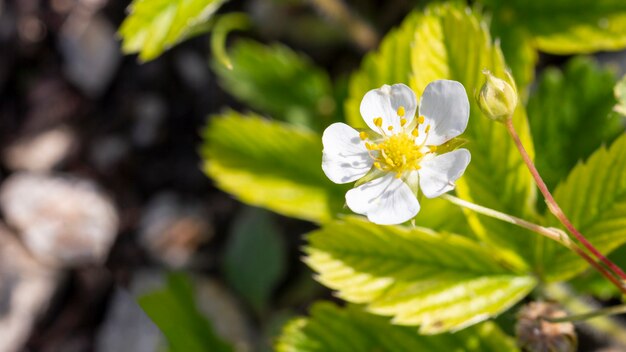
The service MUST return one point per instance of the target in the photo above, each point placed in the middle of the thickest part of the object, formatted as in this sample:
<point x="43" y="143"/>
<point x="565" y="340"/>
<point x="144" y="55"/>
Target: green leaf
<point x="278" y="81"/>
<point x="270" y="164"/>
<point x="594" y="199"/>
<point x="452" y="42"/>
<point x="620" y="95"/>
<point x="390" y="64"/>
<point x="591" y="282"/>
<point x="566" y="26"/>
<point x="331" y="328"/>
<point x="440" y="282"/>
<point x="173" y="310"/>
<point x="519" y="52"/>
<point x="153" y="26"/>
<point x="570" y="116"/>
<point x="254" y="261"/>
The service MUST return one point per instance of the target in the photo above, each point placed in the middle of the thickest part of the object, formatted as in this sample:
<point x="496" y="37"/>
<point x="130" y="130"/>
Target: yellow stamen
<point x="390" y="128"/>
<point x="378" y="121"/>
<point x="363" y="135"/>
<point x="401" y="111"/>
<point x="402" y="122"/>
<point x="421" y="119"/>
<point x="415" y="133"/>
<point x="427" y="129"/>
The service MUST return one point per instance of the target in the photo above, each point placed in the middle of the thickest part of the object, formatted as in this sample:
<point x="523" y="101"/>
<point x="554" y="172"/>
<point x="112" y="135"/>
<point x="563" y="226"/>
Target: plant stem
<point x="621" y="309"/>
<point x="551" y="233"/>
<point x="604" y="325"/>
<point x="554" y="207"/>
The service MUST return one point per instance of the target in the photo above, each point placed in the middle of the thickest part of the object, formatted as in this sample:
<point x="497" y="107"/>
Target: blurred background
<point x="102" y="192"/>
<point x="101" y="189"/>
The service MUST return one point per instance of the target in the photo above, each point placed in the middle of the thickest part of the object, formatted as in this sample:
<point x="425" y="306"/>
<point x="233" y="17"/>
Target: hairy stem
<point x="554" y="207"/>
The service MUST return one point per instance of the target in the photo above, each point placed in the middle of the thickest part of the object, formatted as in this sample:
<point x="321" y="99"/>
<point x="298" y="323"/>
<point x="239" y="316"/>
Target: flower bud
<point x="498" y="98"/>
<point x="535" y="333"/>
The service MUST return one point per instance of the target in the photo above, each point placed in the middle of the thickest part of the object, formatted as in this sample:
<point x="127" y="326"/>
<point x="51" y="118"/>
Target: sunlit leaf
<point x="270" y="164"/>
<point x="153" y="26"/>
<point x="566" y="26"/>
<point x="570" y="115"/>
<point x="173" y="309"/>
<point x="594" y="198"/>
<point x="331" y="328"/>
<point x="451" y="42"/>
<point x="620" y="96"/>
<point x="278" y="81"/>
<point x="439" y="282"/>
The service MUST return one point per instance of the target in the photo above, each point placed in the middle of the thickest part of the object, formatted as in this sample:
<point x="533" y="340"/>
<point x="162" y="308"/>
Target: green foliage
<point x="594" y="198"/>
<point x="270" y="164"/>
<point x="255" y="257"/>
<point x="440" y="282"/>
<point x="565" y="26"/>
<point x="448" y="42"/>
<point x="276" y="80"/>
<point x="591" y="282"/>
<point x="620" y="95"/>
<point x="570" y="116"/>
<point x="224" y="24"/>
<point x="153" y="26"/>
<point x="173" y="310"/>
<point x="390" y="64"/>
<point x="331" y="328"/>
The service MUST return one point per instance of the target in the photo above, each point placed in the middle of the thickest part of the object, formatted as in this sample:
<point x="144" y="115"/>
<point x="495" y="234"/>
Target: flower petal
<point x="386" y="201"/>
<point x="445" y="107"/>
<point x="384" y="103"/>
<point x="345" y="158"/>
<point x="437" y="175"/>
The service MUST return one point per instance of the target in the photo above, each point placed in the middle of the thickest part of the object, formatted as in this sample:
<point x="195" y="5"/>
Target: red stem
<point x="600" y="269"/>
<point x="554" y="207"/>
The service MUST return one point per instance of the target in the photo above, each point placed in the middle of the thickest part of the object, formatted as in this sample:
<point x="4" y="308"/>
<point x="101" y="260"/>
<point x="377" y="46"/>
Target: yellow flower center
<point x="398" y="153"/>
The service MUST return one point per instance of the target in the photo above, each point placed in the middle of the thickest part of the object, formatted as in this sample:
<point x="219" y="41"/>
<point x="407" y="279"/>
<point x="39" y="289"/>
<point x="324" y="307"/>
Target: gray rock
<point x="26" y="288"/>
<point x="62" y="221"/>
<point x="40" y="152"/>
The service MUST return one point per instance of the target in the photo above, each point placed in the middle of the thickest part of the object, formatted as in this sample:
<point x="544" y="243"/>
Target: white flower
<point x="401" y="152"/>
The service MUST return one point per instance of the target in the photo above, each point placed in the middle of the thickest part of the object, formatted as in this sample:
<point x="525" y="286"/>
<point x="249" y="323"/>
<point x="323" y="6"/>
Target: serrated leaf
<point x="594" y="198"/>
<point x="255" y="256"/>
<point x="270" y="164"/>
<point x="451" y="42"/>
<point x="570" y="116"/>
<point x="519" y="52"/>
<point x="439" y="282"/>
<point x="566" y="26"/>
<point x="173" y="309"/>
<point x="390" y="64"/>
<point x="153" y="26"/>
<point x="331" y="328"/>
<point x="278" y="81"/>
